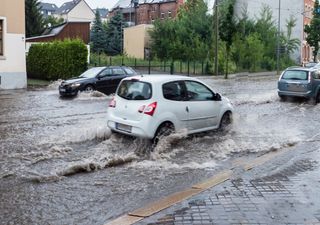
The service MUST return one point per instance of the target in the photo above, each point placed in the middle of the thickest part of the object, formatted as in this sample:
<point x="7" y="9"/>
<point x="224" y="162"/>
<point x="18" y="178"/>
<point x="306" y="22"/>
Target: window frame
<point x="2" y="32"/>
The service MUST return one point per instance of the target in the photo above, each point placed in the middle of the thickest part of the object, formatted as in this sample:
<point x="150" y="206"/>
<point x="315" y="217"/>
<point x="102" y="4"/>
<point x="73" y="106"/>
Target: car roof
<point x="302" y="68"/>
<point x="160" y="78"/>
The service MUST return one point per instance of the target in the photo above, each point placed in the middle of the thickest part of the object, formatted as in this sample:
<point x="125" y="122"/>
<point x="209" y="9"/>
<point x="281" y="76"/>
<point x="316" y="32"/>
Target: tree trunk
<point x="226" y="75"/>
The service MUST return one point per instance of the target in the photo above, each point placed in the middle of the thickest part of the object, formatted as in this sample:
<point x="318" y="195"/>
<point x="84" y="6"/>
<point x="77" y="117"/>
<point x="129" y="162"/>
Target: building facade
<point x="12" y="45"/>
<point x="75" y="11"/>
<point x="147" y="11"/>
<point x="288" y="8"/>
<point x="306" y="53"/>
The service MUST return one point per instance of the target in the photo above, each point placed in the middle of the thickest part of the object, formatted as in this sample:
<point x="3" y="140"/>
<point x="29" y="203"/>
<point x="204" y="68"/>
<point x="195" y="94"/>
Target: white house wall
<point x="13" y="63"/>
<point x="288" y="8"/>
<point x="81" y="12"/>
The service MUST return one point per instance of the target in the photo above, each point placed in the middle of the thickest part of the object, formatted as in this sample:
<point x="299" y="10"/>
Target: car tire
<point x="163" y="130"/>
<point x="282" y="98"/>
<point x="89" y="88"/>
<point x="225" y="121"/>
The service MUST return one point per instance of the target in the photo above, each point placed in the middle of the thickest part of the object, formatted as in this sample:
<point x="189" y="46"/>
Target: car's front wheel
<point x="226" y="120"/>
<point x="89" y="88"/>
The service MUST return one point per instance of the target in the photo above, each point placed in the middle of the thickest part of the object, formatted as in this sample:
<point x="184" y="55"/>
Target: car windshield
<point x="295" y="75"/>
<point x="134" y="90"/>
<point x="90" y="73"/>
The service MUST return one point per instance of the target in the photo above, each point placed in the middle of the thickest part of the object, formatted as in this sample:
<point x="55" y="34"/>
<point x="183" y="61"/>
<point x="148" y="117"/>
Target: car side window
<point x="316" y="75"/>
<point x="118" y="72"/>
<point x="129" y="71"/>
<point x="174" y="91"/>
<point x="198" y="92"/>
<point x="106" y="72"/>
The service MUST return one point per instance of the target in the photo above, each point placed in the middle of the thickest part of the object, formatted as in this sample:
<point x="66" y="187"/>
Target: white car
<point x="149" y="106"/>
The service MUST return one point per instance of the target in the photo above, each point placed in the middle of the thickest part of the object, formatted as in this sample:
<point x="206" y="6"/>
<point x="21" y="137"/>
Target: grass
<point x="37" y="83"/>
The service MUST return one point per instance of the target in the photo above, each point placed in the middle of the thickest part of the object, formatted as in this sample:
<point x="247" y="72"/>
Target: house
<point x="288" y="8"/>
<point x="12" y="45"/>
<point x="146" y="11"/>
<point x="47" y="9"/>
<point x="75" y="11"/>
<point x="306" y="53"/>
<point x="103" y="14"/>
<point x="67" y="30"/>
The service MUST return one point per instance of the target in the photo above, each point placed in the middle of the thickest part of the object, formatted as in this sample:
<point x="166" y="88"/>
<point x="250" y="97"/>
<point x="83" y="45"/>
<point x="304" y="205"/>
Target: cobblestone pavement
<point x="283" y="191"/>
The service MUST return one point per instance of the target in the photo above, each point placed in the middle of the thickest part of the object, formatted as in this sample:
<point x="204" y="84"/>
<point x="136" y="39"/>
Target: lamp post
<point x="278" y="40"/>
<point x="216" y="38"/>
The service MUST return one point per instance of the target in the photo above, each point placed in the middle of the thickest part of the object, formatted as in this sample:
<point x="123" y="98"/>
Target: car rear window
<point x="295" y="75"/>
<point x="135" y="90"/>
<point x="129" y="71"/>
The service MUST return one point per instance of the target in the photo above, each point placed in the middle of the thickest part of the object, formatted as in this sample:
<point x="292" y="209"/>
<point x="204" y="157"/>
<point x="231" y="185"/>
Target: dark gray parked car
<point x="300" y="82"/>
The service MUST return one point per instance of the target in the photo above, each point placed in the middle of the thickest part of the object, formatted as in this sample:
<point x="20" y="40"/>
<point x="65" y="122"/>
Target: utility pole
<point x="216" y="38"/>
<point x="278" y="40"/>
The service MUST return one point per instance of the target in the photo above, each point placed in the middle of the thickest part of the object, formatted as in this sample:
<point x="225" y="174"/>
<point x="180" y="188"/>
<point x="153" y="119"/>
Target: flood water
<point x="59" y="164"/>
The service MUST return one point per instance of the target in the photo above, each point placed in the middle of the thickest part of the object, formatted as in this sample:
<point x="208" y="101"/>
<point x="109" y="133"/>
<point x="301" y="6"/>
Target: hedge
<point x="57" y="60"/>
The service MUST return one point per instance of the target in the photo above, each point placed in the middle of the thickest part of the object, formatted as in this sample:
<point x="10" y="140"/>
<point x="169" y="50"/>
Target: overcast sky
<point x="92" y="3"/>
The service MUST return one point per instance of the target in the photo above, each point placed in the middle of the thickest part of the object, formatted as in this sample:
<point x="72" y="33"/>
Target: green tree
<point x="115" y="35"/>
<point x="98" y="35"/>
<point x="288" y="43"/>
<point x="312" y="30"/>
<point x="227" y="32"/>
<point x="254" y="51"/>
<point x="52" y="21"/>
<point x="33" y="18"/>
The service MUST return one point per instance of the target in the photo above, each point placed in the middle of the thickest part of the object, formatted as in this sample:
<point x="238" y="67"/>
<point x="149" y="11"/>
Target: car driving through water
<point x="150" y="106"/>
<point x="103" y="79"/>
<point x="300" y="82"/>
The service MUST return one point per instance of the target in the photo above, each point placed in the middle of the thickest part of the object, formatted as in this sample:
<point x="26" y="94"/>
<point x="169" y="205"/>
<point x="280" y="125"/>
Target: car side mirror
<point x="217" y="97"/>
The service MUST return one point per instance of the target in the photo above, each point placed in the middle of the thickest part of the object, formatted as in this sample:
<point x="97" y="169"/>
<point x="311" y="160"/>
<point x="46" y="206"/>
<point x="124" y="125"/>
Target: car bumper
<point x="144" y="128"/>
<point x="295" y="94"/>
<point x="67" y="91"/>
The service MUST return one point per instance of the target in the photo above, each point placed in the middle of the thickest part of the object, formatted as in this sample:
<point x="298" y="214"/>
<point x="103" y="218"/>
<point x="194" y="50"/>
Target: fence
<point x="152" y="66"/>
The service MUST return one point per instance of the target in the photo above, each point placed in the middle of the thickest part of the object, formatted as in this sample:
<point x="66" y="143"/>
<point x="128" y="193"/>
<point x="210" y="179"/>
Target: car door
<point x="117" y="75"/>
<point x="174" y="95"/>
<point x="203" y="110"/>
<point x="103" y="80"/>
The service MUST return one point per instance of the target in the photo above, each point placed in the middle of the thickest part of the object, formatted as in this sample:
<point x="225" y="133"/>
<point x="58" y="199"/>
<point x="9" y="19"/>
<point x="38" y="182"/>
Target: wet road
<point x="59" y="163"/>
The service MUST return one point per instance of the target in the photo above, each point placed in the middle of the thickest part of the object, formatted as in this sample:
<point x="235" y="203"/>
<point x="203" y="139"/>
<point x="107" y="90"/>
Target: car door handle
<point x="187" y="109"/>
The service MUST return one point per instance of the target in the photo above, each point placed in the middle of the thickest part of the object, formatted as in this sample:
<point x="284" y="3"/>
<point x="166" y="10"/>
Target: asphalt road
<point x="59" y="164"/>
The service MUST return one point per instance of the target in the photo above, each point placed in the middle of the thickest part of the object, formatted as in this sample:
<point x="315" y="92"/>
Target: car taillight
<point x="112" y="103"/>
<point x="149" y="110"/>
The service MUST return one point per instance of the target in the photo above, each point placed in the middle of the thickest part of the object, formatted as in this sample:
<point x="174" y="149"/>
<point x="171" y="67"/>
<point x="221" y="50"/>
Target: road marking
<point x="164" y="203"/>
<point x="215" y="180"/>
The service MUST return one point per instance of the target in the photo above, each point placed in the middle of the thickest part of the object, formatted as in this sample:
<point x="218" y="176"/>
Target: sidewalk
<point x="282" y="190"/>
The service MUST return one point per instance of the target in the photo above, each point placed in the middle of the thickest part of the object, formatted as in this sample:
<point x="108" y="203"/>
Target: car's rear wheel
<point x="225" y="121"/>
<point x="163" y="130"/>
<point x="89" y="88"/>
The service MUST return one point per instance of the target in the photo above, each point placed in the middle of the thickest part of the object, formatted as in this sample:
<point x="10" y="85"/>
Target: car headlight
<point x="74" y="85"/>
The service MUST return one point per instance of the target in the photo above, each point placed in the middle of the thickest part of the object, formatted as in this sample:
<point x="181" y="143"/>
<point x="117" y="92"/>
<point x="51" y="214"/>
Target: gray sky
<point x="92" y="3"/>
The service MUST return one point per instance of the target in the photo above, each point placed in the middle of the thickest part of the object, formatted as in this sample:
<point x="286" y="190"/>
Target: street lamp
<point x="278" y="40"/>
<point x="216" y="38"/>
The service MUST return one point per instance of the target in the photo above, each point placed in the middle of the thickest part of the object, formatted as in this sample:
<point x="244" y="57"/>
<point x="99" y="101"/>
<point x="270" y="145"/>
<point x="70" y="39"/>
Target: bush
<point x="57" y="60"/>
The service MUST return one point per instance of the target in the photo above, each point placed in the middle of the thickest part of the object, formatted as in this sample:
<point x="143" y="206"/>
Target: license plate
<point x="62" y="90"/>
<point x="123" y="127"/>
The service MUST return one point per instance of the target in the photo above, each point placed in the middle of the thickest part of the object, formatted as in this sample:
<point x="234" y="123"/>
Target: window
<point x="198" y="92"/>
<point x="1" y="37"/>
<point x="295" y="75"/>
<point x="129" y="71"/>
<point x="118" y="72"/>
<point x="106" y="72"/>
<point x="174" y="91"/>
<point x="135" y="90"/>
<point x="169" y="14"/>
<point x="162" y="15"/>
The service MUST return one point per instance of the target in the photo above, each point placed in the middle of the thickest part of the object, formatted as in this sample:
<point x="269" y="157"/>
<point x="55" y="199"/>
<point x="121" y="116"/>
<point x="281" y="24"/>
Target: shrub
<point x="57" y="60"/>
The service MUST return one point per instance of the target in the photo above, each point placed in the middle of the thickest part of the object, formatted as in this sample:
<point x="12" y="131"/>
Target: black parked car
<point x="103" y="79"/>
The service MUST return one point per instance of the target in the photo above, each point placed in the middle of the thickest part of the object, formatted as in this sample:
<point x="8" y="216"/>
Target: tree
<point x="288" y="43"/>
<point x="312" y="31"/>
<point x="33" y="18"/>
<point x="115" y="35"/>
<point x="52" y="21"/>
<point x="227" y="32"/>
<point x="98" y="35"/>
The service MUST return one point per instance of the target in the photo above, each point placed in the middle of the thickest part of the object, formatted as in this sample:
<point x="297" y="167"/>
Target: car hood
<point x="75" y="80"/>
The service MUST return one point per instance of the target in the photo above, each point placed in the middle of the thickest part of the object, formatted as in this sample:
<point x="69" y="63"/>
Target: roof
<point x="67" y="7"/>
<point x="103" y="12"/>
<point x="160" y="78"/>
<point x="47" y="6"/>
<point x="127" y="3"/>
